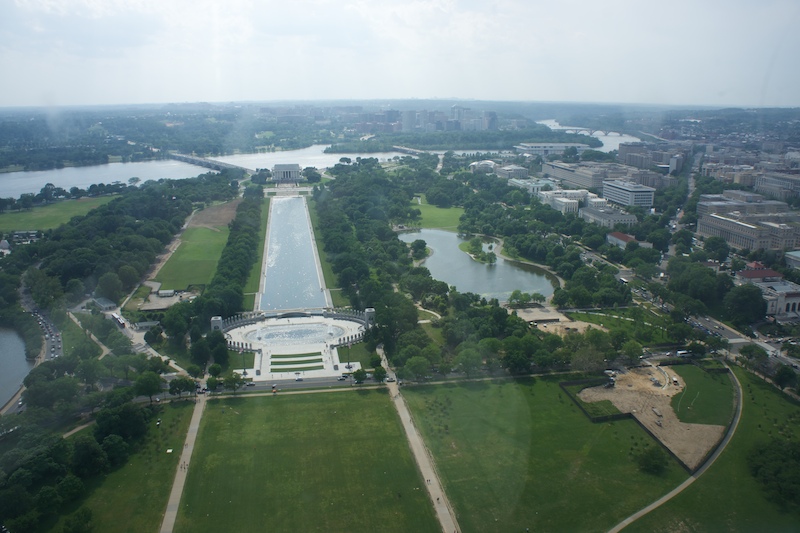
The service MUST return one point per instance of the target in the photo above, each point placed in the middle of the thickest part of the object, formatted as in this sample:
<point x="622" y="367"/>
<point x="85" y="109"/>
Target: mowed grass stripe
<point x="316" y="462"/>
<point x="295" y="355"/>
<point x="195" y="260"/>
<point x="297" y="362"/>
<point x="295" y="368"/>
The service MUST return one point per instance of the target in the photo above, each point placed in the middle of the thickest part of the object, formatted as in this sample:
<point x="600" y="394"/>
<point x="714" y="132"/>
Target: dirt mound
<point x="646" y="394"/>
<point x="216" y="215"/>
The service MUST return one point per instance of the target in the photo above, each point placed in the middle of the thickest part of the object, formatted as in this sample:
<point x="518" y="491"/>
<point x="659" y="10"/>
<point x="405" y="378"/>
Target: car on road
<point x="390" y="380"/>
<point x="341" y="378"/>
<point x="298" y="379"/>
<point x="251" y="384"/>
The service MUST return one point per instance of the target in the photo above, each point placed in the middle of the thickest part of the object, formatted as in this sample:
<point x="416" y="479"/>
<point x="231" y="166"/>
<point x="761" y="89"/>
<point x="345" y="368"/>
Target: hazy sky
<point x="683" y="52"/>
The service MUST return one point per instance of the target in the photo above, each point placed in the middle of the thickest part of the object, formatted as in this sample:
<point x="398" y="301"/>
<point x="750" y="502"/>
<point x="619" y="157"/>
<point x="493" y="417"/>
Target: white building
<point x="512" y="171"/>
<point x="628" y="193"/>
<point x="286" y="172"/>
<point x="544" y="149"/>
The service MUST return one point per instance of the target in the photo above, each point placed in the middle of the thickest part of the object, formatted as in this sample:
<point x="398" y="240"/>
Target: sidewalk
<point x="183" y="467"/>
<point x="444" y="512"/>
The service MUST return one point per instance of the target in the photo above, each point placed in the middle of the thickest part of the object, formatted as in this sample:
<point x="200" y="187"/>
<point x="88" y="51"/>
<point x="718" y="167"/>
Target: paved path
<point x="444" y="512"/>
<point x="183" y="467"/>
<point x="680" y="488"/>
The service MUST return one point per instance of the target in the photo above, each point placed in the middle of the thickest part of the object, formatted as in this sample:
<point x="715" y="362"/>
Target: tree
<point x="128" y="276"/>
<point x="88" y="457"/>
<point x="89" y="371"/>
<point x="785" y="377"/>
<point x="234" y="382"/>
<point x="215" y="370"/>
<point x="379" y="373"/>
<point x="79" y="522"/>
<point x="469" y="361"/>
<point x="717" y="248"/>
<point x="360" y="375"/>
<point x="417" y="367"/>
<point x="776" y="465"/>
<point x="109" y="286"/>
<point x="148" y="384"/>
<point x="116" y="450"/>
<point x="744" y="304"/>
<point x="632" y="350"/>
<point x="182" y="384"/>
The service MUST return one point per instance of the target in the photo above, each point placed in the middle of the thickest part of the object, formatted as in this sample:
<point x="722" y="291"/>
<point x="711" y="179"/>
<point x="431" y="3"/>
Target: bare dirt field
<point x="546" y="313"/>
<point x="216" y="215"/>
<point x="637" y="394"/>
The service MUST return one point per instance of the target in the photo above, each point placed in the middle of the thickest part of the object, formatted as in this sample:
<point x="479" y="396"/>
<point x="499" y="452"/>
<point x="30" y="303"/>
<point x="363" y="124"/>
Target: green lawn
<point x="437" y="217"/>
<point x="134" y="497"/>
<point x="254" y="281"/>
<point x="727" y="497"/>
<point x="519" y="454"/>
<point x="706" y="398"/>
<point x="49" y="216"/>
<point x="647" y="328"/>
<point x="195" y="260"/>
<point x="315" y="462"/>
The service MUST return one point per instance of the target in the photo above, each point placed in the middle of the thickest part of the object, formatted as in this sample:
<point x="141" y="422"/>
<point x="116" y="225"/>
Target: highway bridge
<point x="207" y="163"/>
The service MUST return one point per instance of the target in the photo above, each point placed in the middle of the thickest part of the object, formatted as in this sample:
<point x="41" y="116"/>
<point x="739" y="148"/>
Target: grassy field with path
<point x="49" y="216"/>
<point x="438" y="217"/>
<point x="315" y="462"/>
<point x="727" y="497"/>
<point x="195" y="260"/>
<point x="519" y="454"/>
<point x="134" y="497"/>
<point x="706" y="398"/>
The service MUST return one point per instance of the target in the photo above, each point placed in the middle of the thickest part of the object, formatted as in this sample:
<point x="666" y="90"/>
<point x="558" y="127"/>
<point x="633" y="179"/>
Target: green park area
<point x="727" y="497"/>
<point x="438" y="217"/>
<point x="134" y="497"/>
<point x="707" y="398"/>
<point x="335" y="461"/>
<point x="519" y="455"/>
<point x="49" y="216"/>
<point x="641" y="325"/>
<point x="195" y="260"/>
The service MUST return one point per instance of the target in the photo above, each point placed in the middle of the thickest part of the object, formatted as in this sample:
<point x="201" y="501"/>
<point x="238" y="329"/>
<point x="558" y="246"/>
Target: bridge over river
<point x="207" y="163"/>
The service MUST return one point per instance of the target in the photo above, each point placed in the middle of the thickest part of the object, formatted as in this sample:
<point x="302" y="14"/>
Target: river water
<point x="13" y="365"/>
<point x="454" y="267"/>
<point x="610" y="142"/>
<point x="291" y="277"/>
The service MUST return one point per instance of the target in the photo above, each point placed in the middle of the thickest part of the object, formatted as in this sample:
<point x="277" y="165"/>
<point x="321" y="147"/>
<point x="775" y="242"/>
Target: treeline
<point x="460" y="140"/>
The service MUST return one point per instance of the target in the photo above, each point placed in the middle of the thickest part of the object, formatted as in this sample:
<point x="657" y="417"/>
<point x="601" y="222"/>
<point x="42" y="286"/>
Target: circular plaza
<point x="294" y="346"/>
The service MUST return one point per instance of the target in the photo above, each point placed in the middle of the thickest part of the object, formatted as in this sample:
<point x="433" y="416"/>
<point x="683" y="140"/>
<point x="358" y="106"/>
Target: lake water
<point x="13" y="365"/>
<point x="14" y="184"/>
<point x="610" y="142"/>
<point x="292" y="279"/>
<point x="454" y="267"/>
<point x="313" y="156"/>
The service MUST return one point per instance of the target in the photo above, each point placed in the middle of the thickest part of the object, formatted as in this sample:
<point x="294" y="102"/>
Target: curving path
<point x="700" y="471"/>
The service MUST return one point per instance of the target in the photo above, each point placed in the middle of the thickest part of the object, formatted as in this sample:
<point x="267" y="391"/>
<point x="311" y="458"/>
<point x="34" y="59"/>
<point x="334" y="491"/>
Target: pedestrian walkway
<point x="444" y="512"/>
<point x="183" y="467"/>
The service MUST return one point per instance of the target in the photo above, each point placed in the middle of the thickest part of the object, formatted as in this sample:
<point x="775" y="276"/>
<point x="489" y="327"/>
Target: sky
<point x="682" y="52"/>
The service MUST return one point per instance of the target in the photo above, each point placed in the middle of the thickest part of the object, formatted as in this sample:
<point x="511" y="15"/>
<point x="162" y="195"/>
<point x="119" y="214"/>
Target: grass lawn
<point x="727" y="497"/>
<point x="195" y="260"/>
<point x="356" y="353"/>
<point x="313" y="462"/>
<point x="601" y="408"/>
<point x="519" y="454"/>
<point x="438" y="217"/>
<point x="138" y="298"/>
<point x="706" y="398"/>
<point x="254" y="281"/>
<point x="134" y="497"/>
<point x="49" y="216"/>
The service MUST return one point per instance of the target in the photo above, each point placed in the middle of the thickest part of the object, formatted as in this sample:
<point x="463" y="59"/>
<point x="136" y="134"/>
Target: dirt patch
<point x="643" y="393"/>
<point x="548" y="318"/>
<point x="215" y="216"/>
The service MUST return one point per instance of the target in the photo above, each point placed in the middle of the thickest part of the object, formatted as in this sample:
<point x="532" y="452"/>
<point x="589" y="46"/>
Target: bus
<point x="118" y="320"/>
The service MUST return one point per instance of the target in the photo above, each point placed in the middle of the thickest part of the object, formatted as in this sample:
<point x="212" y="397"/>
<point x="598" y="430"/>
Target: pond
<point x="449" y="264"/>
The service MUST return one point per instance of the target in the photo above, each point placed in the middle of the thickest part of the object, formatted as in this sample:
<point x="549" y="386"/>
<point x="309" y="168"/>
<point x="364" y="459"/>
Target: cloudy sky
<point x="682" y="52"/>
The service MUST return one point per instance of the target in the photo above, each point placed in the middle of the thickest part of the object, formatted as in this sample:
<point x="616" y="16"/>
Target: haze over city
<point x="86" y="52"/>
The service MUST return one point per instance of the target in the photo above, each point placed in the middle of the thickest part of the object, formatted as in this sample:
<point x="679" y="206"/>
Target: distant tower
<point x="369" y="316"/>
